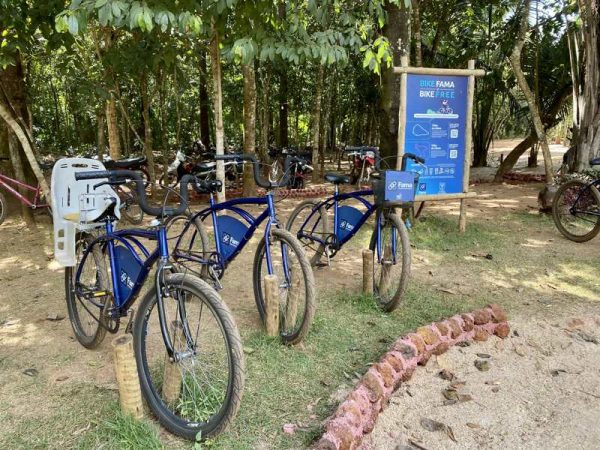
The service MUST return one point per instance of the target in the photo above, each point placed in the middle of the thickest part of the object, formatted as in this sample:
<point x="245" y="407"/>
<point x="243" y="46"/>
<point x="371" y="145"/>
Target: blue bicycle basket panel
<point x="128" y="271"/>
<point x="399" y="186"/>
<point x="231" y="233"/>
<point x="348" y="217"/>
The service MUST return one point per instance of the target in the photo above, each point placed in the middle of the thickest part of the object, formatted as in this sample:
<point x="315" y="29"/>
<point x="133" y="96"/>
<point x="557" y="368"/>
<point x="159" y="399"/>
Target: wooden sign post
<point x="435" y="122"/>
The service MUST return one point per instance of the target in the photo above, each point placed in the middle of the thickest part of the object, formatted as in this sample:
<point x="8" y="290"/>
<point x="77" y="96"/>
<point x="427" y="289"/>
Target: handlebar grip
<point x="92" y="175"/>
<point x="227" y="157"/>
<point x="414" y="158"/>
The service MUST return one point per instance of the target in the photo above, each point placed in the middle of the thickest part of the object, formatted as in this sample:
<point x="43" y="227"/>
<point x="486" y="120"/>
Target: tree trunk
<point x="114" y="145"/>
<point x="397" y="31"/>
<point x="514" y="155"/>
<point x="17" y="164"/>
<point x="147" y="128"/>
<point x="317" y="124"/>
<point x="215" y="63"/>
<point x="101" y="139"/>
<point x="249" y="126"/>
<point x="416" y="27"/>
<point x="515" y="62"/>
<point x="284" y="140"/>
<point x="588" y="132"/>
<point x="266" y="114"/>
<point x="204" y="102"/>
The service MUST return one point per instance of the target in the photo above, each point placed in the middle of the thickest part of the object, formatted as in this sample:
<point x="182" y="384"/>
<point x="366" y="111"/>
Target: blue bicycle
<point x="278" y="253"/>
<point x="187" y="346"/>
<point x="390" y="243"/>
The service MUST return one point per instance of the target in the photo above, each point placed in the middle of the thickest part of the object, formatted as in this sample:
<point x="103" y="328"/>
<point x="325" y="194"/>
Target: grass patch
<point x="349" y="333"/>
<point x="440" y="234"/>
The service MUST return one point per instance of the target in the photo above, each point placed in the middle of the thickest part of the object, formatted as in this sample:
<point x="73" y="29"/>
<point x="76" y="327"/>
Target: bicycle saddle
<point x="595" y="162"/>
<point x="124" y="163"/>
<point x="336" y="178"/>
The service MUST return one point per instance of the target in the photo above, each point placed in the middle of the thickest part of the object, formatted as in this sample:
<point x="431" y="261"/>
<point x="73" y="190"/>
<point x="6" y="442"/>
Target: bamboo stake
<point x="130" y="395"/>
<point x="272" y="305"/>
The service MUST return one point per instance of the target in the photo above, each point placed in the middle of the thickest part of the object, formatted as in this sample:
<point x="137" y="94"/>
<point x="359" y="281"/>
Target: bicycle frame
<point x="129" y="239"/>
<point x="334" y="201"/>
<point x="6" y="183"/>
<point x="253" y="223"/>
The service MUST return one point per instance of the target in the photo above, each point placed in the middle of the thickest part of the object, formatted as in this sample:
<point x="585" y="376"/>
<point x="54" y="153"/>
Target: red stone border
<point x="356" y="416"/>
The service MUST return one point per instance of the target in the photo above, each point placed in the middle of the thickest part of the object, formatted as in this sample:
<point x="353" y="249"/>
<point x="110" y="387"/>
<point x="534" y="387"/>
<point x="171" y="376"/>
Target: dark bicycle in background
<point x="576" y="208"/>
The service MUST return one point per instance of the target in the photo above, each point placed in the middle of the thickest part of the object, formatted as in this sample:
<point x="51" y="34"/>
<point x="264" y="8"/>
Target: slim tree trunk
<point x="114" y="144"/>
<point x="515" y="62"/>
<point x="397" y="31"/>
<point x="215" y="57"/>
<point x="266" y="114"/>
<point x="147" y="128"/>
<point x="204" y="102"/>
<point x="284" y="140"/>
<point x="317" y="123"/>
<point x="100" y="137"/>
<point x="249" y="126"/>
<point x="17" y="164"/>
<point x="416" y="27"/>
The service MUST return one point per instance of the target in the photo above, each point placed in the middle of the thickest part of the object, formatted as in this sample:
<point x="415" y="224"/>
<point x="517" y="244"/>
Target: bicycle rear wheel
<point x="314" y="226"/>
<point x="3" y="208"/>
<point x="391" y="261"/>
<point x="576" y="211"/>
<point x="88" y="297"/>
<point x="297" y="301"/>
<point x="201" y="391"/>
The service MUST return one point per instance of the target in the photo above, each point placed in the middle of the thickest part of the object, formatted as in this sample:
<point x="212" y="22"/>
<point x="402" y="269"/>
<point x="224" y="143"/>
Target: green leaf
<point x="105" y="14"/>
<point x="100" y="3"/>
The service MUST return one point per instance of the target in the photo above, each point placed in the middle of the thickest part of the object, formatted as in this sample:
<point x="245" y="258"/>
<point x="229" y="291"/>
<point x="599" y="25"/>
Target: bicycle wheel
<point x="576" y="210"/>
<point x="188" y="244"/>
<point x="199" y="392"/>
<point x="3" y="208"/>
<point x="130" y="206"/>
<point x="297" y="301"/>
<point x="316" y="226"/>
<point x="391" y="263"/>
<point x="86" y="306"/>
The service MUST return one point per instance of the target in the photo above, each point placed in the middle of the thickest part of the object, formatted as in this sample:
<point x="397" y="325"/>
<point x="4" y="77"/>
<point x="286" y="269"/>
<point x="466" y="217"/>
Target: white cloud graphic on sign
<point x="418" y="130"/>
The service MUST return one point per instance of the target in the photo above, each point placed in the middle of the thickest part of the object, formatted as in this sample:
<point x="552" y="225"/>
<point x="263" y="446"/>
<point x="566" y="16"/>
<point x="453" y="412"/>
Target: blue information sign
<point x="436" y="115"/>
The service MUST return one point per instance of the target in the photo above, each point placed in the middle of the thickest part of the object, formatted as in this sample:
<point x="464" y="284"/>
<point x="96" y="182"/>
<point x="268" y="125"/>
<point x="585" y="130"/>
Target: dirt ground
<point x="544" y="281"/>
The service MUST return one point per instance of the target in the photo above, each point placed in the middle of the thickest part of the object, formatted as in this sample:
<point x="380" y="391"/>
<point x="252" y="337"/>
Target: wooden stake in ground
<point x="272" y="305"/>
<point x="367" y="256"/>
<point x="130" y="395"/>
<point x="172" y="377"/>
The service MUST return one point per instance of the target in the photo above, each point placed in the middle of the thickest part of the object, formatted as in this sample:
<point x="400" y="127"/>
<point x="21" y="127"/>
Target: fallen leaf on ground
<point x="473" y="425"/>
<point x="464" y="398"/>
<point x="31" y="372"/>
<point x="248" y="350"/>
<point x="55" y="317"/>
<point x="585" y="336"/>
<point x="448" y="291"/>
<point x="482" y="365"/>
<point x="520" y="350"/>
<point x="450" y="394"/>
<point x="484" y="355"/>
<point x="557" y="372"/>
<point x="62" y="378"/>
<point x="446" y="375"/>
<point x="496" y="389"/>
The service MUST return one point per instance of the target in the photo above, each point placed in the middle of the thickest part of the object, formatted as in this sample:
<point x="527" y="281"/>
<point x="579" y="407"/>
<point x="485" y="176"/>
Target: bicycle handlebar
<point x="414" y="157"/>
<point x="258" y="179"/>
<point x="116" y="176"/>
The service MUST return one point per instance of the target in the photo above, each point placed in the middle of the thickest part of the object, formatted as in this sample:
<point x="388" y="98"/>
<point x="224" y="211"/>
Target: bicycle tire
<point x="385" y="301"/>
<point x="314" y="254"/>
<point x="224" y="322"/>
<point x="93" y="339"/>
<point x="3" y="208"/>
<point x="189" y="243"/>
<point x="298" y="332"/>
<point x="556" y="213"/>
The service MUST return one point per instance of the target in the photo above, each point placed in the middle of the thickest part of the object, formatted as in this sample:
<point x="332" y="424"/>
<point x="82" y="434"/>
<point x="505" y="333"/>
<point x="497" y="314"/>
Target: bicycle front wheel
<point x="290" y="265"/>
<point x="88" y="296"/>
<point x="576" y="210"/>
<point x="391" y="260"/>
<point x="200" y="390"/>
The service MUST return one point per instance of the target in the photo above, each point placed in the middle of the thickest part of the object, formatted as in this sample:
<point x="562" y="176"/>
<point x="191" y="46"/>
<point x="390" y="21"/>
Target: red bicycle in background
<point x="11" y="185"/>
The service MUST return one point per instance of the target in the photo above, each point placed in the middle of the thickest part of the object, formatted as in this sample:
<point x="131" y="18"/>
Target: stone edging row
<point x="356" y="416"/>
